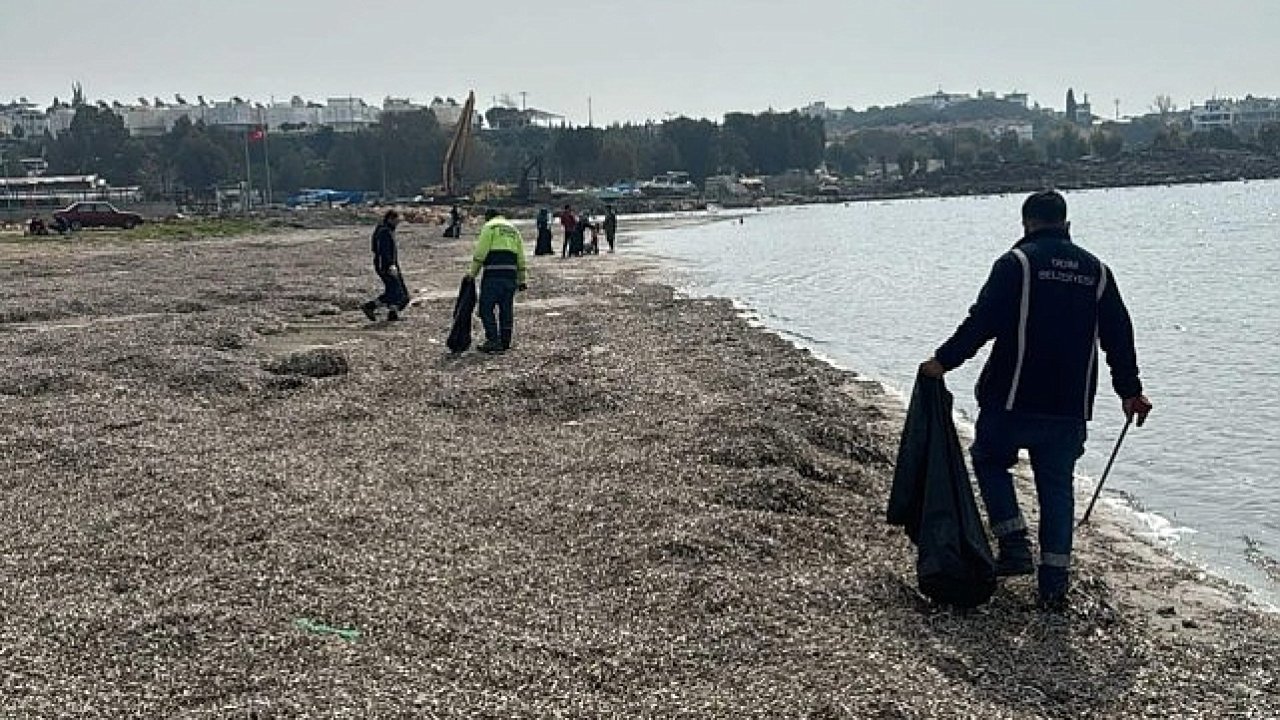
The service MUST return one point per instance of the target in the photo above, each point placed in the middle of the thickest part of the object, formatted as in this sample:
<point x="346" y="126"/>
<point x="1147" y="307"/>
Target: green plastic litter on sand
<point x="322" y="629"/>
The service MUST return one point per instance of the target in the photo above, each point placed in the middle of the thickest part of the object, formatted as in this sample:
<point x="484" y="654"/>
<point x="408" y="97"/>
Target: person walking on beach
<point x="1048" y="303"/>
<point x="610" y="225"/>
<point x="570" y="224"/>
<point x="500" y="253"/>
<point x="386" y="263"/>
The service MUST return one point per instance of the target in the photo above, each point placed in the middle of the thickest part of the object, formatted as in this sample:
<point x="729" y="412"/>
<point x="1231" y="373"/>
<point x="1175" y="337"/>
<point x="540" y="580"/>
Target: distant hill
<point x="916" y="115"/>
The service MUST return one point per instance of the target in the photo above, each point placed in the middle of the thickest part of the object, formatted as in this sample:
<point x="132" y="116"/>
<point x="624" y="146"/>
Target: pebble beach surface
<point x="226" y="494"/>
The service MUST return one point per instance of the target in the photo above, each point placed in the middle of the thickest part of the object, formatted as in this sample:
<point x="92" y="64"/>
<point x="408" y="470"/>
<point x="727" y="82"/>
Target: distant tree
<point x="200" y="162"/>
<point x="1218" y="138"/>
<point x="347" y="165"/>
<point x="697" y="143"/>
<point x="1105" y="143"/>
<point x="620" y="155"/>
<point x="1170" y="137"/>
<point x="1268" y="138"/>
<point x="1008" y="145"/>
<point x="907" y="162"/>
<point x="1064" y="143"/>
<point x="409" y="152"/>
<point x="846" y="158"/>
<point x="575" y="153"/>
<point x="96" y="143"/>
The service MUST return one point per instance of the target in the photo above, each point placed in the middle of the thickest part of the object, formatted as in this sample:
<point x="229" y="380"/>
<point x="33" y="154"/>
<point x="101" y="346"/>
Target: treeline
<point x="404" y="152"/>
<point x="869" y="150"/>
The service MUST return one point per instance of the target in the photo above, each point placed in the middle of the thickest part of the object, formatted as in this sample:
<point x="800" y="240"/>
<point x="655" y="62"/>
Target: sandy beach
<point x="228" y="495"/>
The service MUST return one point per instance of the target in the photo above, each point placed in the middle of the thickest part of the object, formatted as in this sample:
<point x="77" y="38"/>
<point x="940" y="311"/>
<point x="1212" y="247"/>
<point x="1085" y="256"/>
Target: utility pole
<point x="247" y="196"/>
<point x="1117" y="108"/>
<point x="589" y="118"/>
<point x="266" y="151"/>
<point x="523" y="95"/>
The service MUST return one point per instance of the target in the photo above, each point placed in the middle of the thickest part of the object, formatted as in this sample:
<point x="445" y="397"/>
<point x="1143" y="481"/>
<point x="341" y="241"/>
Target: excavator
<point x="531" y="189"/>
<point x="455" y="157"/>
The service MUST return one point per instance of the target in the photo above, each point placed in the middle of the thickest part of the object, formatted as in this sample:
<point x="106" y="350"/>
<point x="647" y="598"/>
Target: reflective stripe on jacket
<point x="1048" y="304"/>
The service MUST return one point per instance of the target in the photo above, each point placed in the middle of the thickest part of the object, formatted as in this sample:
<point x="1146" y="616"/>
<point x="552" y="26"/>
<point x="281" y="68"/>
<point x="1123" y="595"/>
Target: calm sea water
<point x="875" y="287"/>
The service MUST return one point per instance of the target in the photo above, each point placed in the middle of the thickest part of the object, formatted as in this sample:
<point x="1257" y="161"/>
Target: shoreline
<point x="1142" y="527"/>
<point x="648" y="508"/>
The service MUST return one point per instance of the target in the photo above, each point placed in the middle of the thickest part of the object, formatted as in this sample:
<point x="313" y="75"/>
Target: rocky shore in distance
<point x="1148" y="167"/>
<point x="228" y="495"/>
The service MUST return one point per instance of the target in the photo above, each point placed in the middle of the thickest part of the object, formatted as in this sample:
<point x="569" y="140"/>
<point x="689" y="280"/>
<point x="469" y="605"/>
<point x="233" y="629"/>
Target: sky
<point x="609" y="61"/>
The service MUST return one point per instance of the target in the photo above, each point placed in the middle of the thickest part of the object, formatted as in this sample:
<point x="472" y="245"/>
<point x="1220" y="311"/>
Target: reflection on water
<point x="876" y="286"/>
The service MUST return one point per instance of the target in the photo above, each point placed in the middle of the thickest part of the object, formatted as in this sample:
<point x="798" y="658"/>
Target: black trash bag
<point x="402" y="293"/>
<point x="463" y="308"/>
<point x="933" y="500"/>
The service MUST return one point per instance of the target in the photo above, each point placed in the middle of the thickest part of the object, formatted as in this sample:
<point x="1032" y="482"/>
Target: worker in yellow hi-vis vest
<point x="500" y="253"/>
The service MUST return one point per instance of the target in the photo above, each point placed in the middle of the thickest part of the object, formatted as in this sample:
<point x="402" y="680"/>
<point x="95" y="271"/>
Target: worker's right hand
<point x="1137" y="405"/>
<point x="522" y="287"/>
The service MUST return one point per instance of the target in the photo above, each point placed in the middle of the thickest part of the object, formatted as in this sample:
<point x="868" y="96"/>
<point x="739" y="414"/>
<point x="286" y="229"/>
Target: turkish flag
<point x="257" y="134"/>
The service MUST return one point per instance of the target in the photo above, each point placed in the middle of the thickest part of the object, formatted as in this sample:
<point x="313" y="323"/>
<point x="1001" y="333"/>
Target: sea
<point x="875" y="286"/>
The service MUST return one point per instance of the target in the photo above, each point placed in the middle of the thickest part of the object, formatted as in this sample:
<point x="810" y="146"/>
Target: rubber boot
<point x="1014" y="556"/>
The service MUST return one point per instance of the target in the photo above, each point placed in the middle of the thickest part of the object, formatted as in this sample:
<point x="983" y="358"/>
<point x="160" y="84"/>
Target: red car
<point x="94" y="213"/>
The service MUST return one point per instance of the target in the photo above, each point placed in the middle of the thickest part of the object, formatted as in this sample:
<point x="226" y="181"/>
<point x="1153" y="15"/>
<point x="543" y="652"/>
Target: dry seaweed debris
<point x="312" y="363"/>
<point x="646" y="509"/>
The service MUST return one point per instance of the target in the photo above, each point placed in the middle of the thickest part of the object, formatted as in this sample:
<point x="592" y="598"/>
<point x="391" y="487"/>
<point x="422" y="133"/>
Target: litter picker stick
<point x="1098" y="490"/>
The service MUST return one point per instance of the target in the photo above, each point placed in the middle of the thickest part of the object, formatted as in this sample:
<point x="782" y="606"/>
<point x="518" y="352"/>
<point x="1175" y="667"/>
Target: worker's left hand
<point x="931" y="368"/>
<point x="522" y="287"/>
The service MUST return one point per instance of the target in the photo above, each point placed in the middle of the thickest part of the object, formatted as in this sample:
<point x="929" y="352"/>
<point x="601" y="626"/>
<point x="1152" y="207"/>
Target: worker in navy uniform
<point x="1048" y="304"/>
<point x="386" y="262"/>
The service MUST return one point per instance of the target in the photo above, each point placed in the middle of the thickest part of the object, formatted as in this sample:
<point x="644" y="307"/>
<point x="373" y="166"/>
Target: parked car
<point x="94" y="213"/>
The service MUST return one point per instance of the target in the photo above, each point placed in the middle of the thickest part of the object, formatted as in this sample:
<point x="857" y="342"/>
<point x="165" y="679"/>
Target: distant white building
<point x="400" y="105"/>
<point x="348" y="114"/>
<point x="1017" y="98"/>
<point x="27" y="120"/>
<point x="1026" y="132"/>
<point x="939" y="100"/>
<point x="342" y="114"/>
<point x="448" y="112"/>
<point x="943" y="100"/>
<point x="817" y="109"/>
<point x="294" y="115"/>
<point x="1248" y="114"/>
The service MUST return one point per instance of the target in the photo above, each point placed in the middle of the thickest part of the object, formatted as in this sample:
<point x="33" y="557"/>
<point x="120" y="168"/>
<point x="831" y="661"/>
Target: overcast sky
<point x="642" y="59"/>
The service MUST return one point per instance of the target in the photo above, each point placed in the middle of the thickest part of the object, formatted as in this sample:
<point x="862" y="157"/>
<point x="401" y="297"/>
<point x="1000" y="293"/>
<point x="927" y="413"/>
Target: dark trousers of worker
<point x="1053" y="444"/>
<point x="497" y="309"/>
<point x="608" y="236"/>
<point x="394" y="293"/>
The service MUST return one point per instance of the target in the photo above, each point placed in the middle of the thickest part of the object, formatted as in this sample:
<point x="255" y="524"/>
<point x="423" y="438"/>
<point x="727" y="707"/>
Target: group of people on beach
<point x="576" y="227"/>
<point x="1048" y="304"/>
